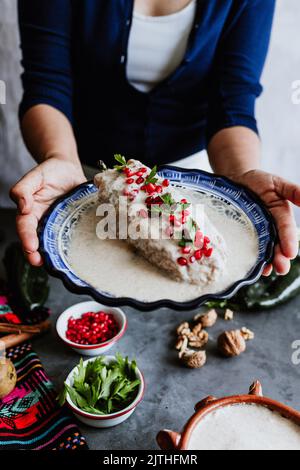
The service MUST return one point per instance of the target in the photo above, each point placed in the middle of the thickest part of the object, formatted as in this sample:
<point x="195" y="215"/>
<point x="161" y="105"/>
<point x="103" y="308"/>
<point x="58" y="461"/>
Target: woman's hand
<point x="277" y="194"/>
<point x="35" y="192"/>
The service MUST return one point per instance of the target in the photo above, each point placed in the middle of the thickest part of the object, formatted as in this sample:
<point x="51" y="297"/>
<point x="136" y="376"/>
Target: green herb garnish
<point x="122" y="160"/>
<point x="151" y="178"/>
<point x="101" y="388"/>
<point x="168" y="200"/>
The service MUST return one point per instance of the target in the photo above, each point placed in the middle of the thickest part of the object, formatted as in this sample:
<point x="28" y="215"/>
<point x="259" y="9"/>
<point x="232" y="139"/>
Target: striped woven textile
<point x="30" y="417"/>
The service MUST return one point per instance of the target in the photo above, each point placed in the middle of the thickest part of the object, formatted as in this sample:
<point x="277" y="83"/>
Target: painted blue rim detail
<point x="241" y="197"/>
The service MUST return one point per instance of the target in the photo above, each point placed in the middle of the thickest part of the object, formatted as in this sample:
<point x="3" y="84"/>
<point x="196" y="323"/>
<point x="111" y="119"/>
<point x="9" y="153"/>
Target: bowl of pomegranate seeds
<point x="91" y="328"/>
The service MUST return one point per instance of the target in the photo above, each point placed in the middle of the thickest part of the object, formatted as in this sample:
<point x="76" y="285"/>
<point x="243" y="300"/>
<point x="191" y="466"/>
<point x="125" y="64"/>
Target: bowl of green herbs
<point x="104" y="391"/>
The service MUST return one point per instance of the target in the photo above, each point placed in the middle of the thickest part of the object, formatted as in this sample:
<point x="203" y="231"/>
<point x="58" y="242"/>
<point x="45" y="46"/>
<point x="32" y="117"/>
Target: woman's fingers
<point x="287" y="190"/>
<point x="281" y="263"/>
<point x="35" y="259"/>
<point x="268" y="270"/>
<point x="27" y="221"/>
<point x="287" y="229"/>
<point x="26" y="228"/>
<point x="22" y="193"/>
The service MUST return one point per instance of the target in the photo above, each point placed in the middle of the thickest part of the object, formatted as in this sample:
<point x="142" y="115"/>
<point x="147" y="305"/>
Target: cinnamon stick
<point x="30" y="329"/>
<point x="21" y="333"/>
<point x="14" y="340"/>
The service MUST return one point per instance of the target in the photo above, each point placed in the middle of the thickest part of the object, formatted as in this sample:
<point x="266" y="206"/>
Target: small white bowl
<point x="76" y="311"/>
<point x="113" y="419"/>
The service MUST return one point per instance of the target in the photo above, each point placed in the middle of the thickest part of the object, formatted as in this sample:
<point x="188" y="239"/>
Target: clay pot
<point x="170" y="440"/>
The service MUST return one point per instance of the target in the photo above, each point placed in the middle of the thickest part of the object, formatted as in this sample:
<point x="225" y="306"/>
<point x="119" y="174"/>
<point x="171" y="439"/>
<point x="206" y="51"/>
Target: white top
<point x="157" y="46"/>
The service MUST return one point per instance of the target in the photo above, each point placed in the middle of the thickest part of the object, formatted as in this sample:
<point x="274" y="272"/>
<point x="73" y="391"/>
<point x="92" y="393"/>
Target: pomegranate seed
<point x="129" y="173"/>
<point x="140" y="180"/>
<point x="184" y="201"/>
<point x="186" y="250"/>
<point x="130" y="181"/>
<point x="206" y="240"/>
<point x="92" y="328"/>
<point x="172" y="218"/>
<point x="166" y="183"/>
<point x="144" y="170"/>
<point x="182" y="261"/>
<point x="183" y="219"/>
<point x="198" y="254"/>
<point x="144" y="188"/>
<point x="151" y="188"/>
<point x="159" y="189"/>
<point x="126" y="193"/>
<point x="208" y="252"/>
<point x="139" y="173"/>
<point x="169" y="231"/>
<point x="192" y="259"/>
<point x="158" y="200"/>
<point x="149" y="200"/>
<point x="143" y="213"/>
<point x="199" y="239"/>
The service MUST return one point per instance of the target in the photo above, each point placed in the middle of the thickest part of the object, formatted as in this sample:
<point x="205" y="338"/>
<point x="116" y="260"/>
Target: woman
<point x="156" y="80"/>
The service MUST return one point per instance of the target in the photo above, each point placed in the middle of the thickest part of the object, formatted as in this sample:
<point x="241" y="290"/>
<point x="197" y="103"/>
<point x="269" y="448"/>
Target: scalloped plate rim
<point x="162" y="303"/>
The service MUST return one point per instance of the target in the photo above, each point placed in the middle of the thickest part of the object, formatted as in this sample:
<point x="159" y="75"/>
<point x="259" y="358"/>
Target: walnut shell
<point x="247" y="334"/>
<point x="200" y="340"/>
<point x="194" y="359"/>
<point x="184" y="328"/>
<point x="183" y="347"/>
<point x="197" y="328"/>
<point x="208" y="320"/>
<point x="231" y="343"/>
<point x="229" y="314"/>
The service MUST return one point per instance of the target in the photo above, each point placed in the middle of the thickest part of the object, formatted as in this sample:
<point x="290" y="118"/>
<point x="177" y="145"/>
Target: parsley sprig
<point x="152" y="178"/>
<point x="101" y="388"/>
<point x="121" y="160"/>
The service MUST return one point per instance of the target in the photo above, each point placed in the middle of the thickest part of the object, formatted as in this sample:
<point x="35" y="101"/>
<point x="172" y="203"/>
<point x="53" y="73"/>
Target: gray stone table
<point x="173" y="390"/>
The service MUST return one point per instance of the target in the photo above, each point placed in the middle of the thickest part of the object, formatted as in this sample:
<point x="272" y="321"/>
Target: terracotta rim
<point x="215" y="404"/>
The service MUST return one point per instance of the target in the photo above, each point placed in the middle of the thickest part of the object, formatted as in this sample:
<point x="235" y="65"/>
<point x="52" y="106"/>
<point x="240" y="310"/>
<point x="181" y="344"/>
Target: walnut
<point x="208" y="320"/>
<point x="200" y="340"/>
<point x="228" y="315"/>
<point x="231" y="343"/>
<point x="247" y="334"/>
<point x="183" y="329"/>
<point x="197" y="328"/>
<point x="194" y="359"/>
<point x="179" y="343"/>
<point x="184" y="346"/>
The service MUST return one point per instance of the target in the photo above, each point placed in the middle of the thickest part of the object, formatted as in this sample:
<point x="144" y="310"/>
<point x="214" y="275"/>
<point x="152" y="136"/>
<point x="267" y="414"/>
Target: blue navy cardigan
<point x="74" y="59"/>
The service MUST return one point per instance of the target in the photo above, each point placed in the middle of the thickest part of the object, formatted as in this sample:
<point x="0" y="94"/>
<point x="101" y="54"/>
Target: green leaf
<point x="168" y="199"/>
<point x="62" y="396"/>
<point x="79" y="375"/>
<point x="151" y="178"/>
<point x="122" y="160"/>
<point x="102" y="388"/>
<point x="93" y="410"/>
<point x="76" y="397"/>
<point x="119" y="158"/>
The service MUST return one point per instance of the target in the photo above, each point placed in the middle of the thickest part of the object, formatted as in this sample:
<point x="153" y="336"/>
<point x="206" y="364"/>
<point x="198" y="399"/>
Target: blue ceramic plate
<point x="55" y="227"/>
